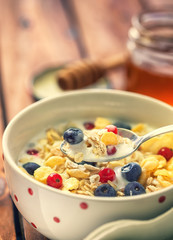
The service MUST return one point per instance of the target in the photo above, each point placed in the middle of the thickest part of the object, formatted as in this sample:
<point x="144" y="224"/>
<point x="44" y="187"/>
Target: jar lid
<point x="153" y="30"/>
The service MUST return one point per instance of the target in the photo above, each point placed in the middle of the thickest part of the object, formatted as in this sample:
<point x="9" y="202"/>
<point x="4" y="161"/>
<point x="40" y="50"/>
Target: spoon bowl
<point x="124" y="149"/>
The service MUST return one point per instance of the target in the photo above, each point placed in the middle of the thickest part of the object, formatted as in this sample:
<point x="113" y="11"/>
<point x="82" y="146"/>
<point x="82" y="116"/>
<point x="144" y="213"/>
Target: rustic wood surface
<point x="36" y="34"/>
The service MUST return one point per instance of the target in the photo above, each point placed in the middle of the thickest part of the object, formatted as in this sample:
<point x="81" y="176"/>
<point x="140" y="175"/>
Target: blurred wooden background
<point x="38" y="33"/>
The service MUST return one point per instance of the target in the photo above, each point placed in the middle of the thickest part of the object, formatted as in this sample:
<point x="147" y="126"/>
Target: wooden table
<point x="40" y="33"/>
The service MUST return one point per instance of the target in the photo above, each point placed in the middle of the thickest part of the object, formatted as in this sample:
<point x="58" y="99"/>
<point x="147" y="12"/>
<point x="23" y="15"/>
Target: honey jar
<point x="150" y="63"/>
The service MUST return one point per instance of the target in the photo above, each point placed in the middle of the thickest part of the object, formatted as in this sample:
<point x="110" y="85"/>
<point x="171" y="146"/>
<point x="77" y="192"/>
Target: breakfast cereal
<point x="146" y="170"/>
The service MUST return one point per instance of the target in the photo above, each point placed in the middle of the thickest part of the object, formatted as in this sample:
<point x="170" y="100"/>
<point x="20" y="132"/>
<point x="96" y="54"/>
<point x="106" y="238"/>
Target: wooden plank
<point x="104" y="29"/>
<point x="34" y="34"/>
<point x="7" y="228"/>
<point x="105" y="25"/>
<point x="31" y="233"/>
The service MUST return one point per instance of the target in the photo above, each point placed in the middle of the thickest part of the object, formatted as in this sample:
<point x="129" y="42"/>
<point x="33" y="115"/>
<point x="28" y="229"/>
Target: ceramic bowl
<point x="57" y="214"/>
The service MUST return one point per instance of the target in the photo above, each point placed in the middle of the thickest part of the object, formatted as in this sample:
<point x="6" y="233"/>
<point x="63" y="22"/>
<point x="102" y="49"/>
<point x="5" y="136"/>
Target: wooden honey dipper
<point x="85" y="72"/>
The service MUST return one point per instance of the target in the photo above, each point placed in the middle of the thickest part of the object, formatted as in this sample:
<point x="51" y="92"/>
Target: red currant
<point x="166" y="152"/>
<point x="54" y="180"/>
<point x="89" y="125"/>
<point x="32" y="152"/>
<point x="112" y="128"/>
<point x="106" y="174"/>
<point x="111" y="149"/>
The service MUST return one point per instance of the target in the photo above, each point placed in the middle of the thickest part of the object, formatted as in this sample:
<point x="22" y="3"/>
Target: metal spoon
<point x="134" y="138"/>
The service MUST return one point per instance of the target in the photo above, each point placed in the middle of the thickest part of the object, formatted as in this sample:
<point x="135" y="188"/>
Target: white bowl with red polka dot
<point x="60" y="215"/>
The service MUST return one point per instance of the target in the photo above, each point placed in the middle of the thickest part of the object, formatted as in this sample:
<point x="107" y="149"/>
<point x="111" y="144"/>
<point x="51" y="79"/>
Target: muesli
<point x="148" y="169"/>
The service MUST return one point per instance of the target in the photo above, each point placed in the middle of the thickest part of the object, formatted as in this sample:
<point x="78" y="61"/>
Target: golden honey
<point x="149" y="83"/>
<point x="150" y="65"/>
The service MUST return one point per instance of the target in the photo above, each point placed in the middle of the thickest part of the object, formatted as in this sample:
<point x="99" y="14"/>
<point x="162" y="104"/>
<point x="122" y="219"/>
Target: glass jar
<point x="150" y="46"/>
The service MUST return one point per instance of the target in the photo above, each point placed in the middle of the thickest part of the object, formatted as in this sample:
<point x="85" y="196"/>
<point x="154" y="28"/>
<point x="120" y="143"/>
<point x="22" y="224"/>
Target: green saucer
<point x="45" y="84"/>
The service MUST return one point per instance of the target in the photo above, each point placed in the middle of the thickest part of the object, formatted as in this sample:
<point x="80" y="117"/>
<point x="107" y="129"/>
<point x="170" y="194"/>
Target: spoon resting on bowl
<point x="87" y="146"/>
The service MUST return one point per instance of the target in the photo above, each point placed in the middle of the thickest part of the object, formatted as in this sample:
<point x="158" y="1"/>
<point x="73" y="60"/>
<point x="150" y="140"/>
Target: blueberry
<point x="30" y="167"/>
<point x="131" y="171"/>
<point x="133" y="188"/>
<point x="105" y="190"/>
<point x="73" y="135"/>
<point x="120" y="124"/>
<point x="90" y="163"/>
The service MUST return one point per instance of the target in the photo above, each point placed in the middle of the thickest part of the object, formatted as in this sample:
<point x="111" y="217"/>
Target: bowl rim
<point x="8" y="157"/>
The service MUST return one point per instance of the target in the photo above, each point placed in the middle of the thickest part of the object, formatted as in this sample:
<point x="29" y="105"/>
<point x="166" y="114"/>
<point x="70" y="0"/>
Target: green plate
<point x="45" y="84"/>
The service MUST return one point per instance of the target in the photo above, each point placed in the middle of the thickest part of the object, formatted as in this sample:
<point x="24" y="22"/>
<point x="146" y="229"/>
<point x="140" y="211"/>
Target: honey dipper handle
<point x="85" y="72"/>
<point x="115" y="61"/>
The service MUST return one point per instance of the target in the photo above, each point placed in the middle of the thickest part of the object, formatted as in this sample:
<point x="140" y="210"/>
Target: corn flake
<point x="101" y="123"/>
<point x="42" y="173"/>
<point x="109" y="138"/>
<point x="54" y="161"/>
<point x="150" y="163"/>
<point x="169" y="165"/>
<point x="163" y="182"/>
<point x="78" y="173"/>
<point x="164" y="172"/>
<point x="70" y="184"/>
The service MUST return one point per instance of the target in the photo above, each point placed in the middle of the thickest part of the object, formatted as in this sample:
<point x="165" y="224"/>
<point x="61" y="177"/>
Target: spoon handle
<point x="155" y="133"/>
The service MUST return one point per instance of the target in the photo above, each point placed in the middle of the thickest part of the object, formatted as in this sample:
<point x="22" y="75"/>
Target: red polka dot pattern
<point x="33" y="225"/>
<point x="16" y="198"/>
<point x="30" y="191"/>
<point x="162" y="199"/>
<point x="56" y="219"/>
<point x="84" y="205"/>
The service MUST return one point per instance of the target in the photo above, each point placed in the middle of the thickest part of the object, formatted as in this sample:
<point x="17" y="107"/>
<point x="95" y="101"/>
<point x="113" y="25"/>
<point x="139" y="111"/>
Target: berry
<point x="112" y="128"/>
<point x="30" y="167"/>
<point x="166" y="152"/>
<point x="89" y="125"/>
<point x="54" y="180"/>
<point x="32" y="152"/>
<point x="120" y="124"/>
<point x="73" y="136"/>
<point x="106" y="174"/>
<point x="111" y="149"/>
<point x="105" y="190"/>
<point x="131" y="171"/>
<point x="133" y="188"/>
